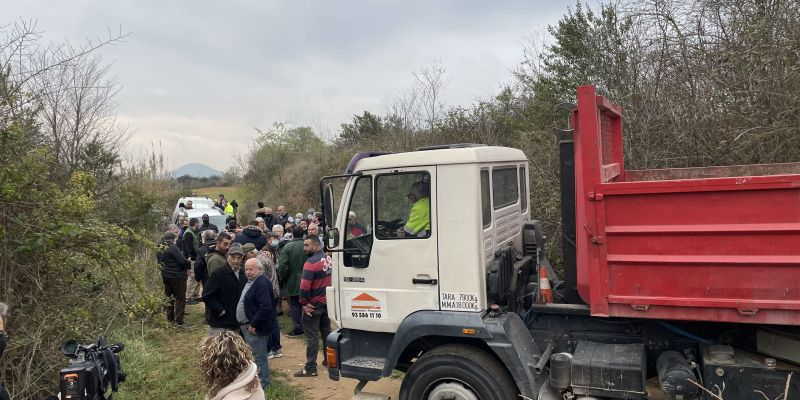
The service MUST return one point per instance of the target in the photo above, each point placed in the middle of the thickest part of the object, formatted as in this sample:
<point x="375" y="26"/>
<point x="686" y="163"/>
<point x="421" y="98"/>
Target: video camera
<point x="92" y="369"/>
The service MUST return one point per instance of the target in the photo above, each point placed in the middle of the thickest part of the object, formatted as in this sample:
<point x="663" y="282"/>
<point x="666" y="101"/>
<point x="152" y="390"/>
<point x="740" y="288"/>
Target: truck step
<point x="366" y="362"/>
<point x="367" y="368"/>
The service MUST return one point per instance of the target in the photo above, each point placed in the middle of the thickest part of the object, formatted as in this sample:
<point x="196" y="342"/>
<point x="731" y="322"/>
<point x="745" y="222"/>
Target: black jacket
<point x="190" y="239"/>
<point x="252" y="235"/>
<point x="269" y="221"/>
<point x="222" y="292"/>
<point x="200" y="267"/>
<point x="258" y="306"/>
<point x="276" y="220"/>
<point x="208" y="226"/>
<point x="173" y="263"/>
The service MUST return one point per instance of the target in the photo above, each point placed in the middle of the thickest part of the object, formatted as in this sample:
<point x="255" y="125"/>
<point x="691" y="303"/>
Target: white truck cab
<point x="477" y="198"/>
<point x="412" y="244"/>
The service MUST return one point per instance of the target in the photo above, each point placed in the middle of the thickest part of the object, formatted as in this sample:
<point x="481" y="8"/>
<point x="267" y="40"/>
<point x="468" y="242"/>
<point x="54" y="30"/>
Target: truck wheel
<point x="457" y="372"/>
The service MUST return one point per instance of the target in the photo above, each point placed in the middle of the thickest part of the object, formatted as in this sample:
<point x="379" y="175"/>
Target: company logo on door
<point x="367" y="305"/>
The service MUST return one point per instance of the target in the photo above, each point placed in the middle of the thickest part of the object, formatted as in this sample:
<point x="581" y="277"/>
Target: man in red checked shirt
<point x="316" y="277"/>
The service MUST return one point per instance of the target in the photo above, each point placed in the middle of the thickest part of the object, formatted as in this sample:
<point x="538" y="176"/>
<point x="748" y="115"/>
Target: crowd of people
<point x="243" y="273"/>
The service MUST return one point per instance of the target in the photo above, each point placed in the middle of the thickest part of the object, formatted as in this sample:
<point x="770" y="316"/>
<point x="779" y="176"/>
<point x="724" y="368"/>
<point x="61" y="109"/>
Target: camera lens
<point x="70" y="347"/>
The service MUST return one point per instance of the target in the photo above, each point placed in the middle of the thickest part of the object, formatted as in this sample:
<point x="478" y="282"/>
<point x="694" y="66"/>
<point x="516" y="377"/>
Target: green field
<point x="230" y="192"/>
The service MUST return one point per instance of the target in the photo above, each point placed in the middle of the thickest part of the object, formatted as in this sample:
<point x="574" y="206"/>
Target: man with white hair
<point x="313" y="230"/>
<point x="255" y="314"/>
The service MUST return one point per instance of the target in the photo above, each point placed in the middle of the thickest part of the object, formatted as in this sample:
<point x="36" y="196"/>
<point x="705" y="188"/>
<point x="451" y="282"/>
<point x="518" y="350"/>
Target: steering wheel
<point x="388" y="228"/>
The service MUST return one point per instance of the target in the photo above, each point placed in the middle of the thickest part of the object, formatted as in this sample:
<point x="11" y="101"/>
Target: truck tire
<point x="457" y="372"/>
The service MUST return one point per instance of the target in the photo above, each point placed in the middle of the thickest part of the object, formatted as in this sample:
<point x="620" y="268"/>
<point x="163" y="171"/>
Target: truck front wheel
<point x="457" y="372"/>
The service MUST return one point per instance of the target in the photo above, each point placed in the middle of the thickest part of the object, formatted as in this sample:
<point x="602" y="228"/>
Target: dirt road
<point x="321" y="387"/>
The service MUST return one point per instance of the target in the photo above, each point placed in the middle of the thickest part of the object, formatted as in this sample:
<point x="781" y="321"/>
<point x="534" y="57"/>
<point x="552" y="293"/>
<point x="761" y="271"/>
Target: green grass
<point x="231" y="192"/>
<point x="279" y="389"/>
<point x="162" y="362"/>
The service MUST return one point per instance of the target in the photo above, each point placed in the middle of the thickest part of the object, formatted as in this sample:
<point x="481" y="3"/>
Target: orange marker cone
<point x="545" y="292"/>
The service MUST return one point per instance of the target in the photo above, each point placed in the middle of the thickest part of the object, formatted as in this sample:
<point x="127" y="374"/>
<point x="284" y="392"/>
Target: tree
<point x="364" y="126"/>
<point x="78" y="112"/>
<point x="432" y="80"/>
<point x="583" y="48"/>
<point x="283" y="163"/>
<point x="70" y="87"/>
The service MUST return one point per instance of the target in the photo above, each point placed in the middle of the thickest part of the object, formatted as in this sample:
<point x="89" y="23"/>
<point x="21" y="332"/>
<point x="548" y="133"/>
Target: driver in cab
<point x="418" y="223"/>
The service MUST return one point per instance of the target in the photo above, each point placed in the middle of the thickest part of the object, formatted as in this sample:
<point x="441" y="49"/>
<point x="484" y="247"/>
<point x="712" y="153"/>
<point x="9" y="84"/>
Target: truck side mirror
<point x="327" y="205"/>
<point x="332" y="238"/>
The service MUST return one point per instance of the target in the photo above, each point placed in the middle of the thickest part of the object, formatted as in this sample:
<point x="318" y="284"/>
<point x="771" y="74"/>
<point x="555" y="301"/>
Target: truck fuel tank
<point x="609" y="370"/>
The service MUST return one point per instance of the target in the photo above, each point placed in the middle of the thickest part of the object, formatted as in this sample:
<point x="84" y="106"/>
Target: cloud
<point x="199" y="75"/>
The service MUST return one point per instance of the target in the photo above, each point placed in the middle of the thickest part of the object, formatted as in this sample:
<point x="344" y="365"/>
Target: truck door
<point x="389" y="268"/>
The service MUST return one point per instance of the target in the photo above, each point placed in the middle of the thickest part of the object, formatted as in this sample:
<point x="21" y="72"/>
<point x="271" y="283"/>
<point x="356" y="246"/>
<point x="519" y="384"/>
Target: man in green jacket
<point x="290" y="269"/>
<point x="191" y="245"/>
<point x="419" y="218"/>
<point x="215" y="258"/>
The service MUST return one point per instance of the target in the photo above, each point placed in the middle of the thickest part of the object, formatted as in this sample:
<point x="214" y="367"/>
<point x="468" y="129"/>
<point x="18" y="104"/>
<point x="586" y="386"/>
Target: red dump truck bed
<point x="708" y="244"/>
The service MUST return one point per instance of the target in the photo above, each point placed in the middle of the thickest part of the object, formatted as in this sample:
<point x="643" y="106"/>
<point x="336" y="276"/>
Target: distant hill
<point x="196" y="170"/>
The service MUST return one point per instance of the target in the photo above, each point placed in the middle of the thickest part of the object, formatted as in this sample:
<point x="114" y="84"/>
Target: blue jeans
<point x="260" y="346"/>
<point x="275" y="337"/>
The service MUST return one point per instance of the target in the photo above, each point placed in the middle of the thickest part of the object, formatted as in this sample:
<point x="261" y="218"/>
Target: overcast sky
<point x="198" y="76"/>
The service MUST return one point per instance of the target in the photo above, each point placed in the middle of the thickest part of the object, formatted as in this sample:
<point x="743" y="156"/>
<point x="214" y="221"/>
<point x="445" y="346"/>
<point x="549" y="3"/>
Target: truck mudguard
<point x="505" y="334"/>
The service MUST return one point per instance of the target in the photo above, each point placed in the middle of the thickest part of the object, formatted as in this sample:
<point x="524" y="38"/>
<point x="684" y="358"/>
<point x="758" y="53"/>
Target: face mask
<point x="310" y="215"/>
<point x="275" y="243"/>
